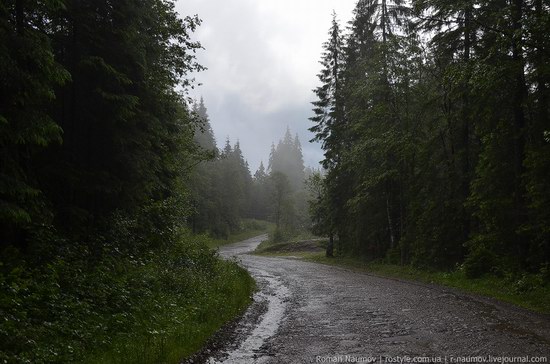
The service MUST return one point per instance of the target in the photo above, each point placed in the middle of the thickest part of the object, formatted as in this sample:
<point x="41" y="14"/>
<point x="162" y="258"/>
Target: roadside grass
<point x="528" y="290"/>
<point x="250" y="228"/>
<point x="181" y="329"/>
<point x="131" y="304"/>
<point x="299" y="248"/>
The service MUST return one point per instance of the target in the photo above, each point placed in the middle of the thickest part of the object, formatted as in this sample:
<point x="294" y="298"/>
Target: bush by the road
<point x="116" y="302"/>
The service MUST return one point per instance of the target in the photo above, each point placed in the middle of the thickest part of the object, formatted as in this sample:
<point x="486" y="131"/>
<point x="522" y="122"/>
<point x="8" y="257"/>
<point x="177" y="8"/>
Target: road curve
<point x="313" y="313"/>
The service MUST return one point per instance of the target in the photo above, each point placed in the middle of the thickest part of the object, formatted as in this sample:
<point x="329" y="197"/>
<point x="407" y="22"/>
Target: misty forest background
<point x="434" y="120"/>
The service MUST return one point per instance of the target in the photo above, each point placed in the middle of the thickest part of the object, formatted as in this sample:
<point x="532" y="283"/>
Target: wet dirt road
<point x="311" y="313"/>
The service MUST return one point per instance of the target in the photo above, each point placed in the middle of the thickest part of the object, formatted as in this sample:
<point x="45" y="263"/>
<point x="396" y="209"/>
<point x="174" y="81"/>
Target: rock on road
<point x="311" y="313"/>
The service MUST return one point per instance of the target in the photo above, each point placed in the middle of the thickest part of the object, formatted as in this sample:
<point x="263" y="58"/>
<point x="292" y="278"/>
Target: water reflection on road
<point x="272" y="294"/>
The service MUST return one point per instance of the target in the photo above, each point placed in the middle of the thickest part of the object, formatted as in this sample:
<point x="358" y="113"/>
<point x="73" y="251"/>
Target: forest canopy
<point x="434" y="120"/>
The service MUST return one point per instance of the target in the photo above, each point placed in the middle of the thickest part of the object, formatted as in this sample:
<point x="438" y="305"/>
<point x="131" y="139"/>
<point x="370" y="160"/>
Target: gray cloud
<point x="262" y="59"/>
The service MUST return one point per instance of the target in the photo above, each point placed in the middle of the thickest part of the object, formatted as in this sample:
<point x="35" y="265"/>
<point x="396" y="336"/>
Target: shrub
<point x="479" y="262"/>
<point x="122" y="294"/>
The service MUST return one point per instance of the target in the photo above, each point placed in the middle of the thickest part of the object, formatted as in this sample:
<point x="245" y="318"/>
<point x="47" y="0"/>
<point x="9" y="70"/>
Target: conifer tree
<point x="443" y="156"/>
<point x="287" y="158"/>
<point x="30" y="75"/>
<point x="329" y="112"/>
<point x="204" y="135"/>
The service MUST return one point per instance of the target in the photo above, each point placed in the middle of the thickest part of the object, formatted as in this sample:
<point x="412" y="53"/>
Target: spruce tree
<point x="29" y="77"/>
<point x="329" y="112"/>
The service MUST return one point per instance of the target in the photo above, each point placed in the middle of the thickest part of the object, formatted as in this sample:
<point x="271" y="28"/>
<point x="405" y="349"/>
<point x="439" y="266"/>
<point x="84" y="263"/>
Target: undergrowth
<point x="113" y="302"/>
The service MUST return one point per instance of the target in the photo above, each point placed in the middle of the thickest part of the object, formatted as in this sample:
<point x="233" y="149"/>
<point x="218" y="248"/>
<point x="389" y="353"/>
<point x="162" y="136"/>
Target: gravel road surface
<point x="312" y="313"/>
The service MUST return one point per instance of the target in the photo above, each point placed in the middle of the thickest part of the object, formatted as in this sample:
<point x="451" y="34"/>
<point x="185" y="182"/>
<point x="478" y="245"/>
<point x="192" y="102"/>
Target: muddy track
<point x="310" y="313"/>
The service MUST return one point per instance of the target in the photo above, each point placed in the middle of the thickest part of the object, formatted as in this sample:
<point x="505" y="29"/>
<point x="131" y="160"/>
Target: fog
<point x="262" y="59"/>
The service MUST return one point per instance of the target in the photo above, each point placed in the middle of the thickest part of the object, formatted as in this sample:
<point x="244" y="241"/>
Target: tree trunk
<point x="390" y="222"/>
<point x="19" y="17"/>
<point x="518" y="99"/>
<point x="465" y="137"/>
<point x="330" y="246"/>
<point x="542" y="92"/>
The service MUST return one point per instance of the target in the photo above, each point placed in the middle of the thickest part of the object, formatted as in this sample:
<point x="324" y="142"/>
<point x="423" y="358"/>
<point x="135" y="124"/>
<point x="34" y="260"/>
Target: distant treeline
<point x="223" y="190"/>
<point x="434" y="119"/>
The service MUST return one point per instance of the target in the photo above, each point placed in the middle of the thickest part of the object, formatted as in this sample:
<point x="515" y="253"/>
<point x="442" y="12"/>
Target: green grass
<point x="181" y="330"/>
<point x="126" y="306"/>
<point x="291" y="248"/>
<point x="250" y="229"/>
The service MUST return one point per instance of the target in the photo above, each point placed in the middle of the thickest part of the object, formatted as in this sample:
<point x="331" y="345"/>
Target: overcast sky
<point x="262" y="58"/>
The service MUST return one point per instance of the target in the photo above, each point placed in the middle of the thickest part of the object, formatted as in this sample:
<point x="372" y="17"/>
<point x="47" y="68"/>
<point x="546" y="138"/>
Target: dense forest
<point x="434" y="119"/>
<point x="111" y="185"/>
<point x="100" y="184"/>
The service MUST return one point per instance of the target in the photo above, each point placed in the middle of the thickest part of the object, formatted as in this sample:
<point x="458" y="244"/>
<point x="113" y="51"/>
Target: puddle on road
<point x="273" y="295"/>
<point x="243" y="247"/>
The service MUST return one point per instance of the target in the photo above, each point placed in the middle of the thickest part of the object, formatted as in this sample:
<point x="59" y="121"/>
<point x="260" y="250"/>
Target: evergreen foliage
<point x="433" y="116"/>
<point x="100" y="177"/>
<point x="287" y="158"/>
<point x="221" y="186"/>
<point x="285" y="186"/>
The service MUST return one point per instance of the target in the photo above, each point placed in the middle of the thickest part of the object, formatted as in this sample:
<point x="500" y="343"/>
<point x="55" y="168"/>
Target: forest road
<point x="313" y="313"/>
